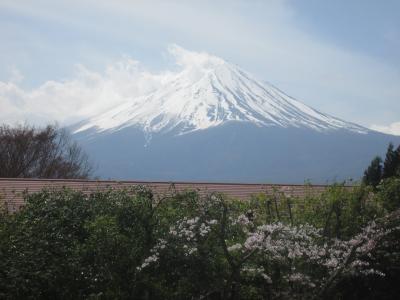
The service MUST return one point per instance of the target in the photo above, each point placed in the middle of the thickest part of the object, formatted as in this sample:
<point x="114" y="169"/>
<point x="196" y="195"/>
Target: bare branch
<point x="26" y="151"/>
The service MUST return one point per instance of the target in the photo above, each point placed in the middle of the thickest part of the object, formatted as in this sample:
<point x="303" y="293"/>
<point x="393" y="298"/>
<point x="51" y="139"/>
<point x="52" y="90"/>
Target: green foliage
<point x="130" y="244"/>
<point x="65" y="244"/>
<point x="392" y="162"/>
<point x="389" y="193"/>
<point x="391" y="167"/>
<point x="373" y="174"/>
<point x="340" y="210"/>
<point x="385" y="257"/>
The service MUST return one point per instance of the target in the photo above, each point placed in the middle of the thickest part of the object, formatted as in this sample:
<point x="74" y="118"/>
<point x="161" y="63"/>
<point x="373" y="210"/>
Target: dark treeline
<point x="49" y="152"/>
<point x="379" y="169"/>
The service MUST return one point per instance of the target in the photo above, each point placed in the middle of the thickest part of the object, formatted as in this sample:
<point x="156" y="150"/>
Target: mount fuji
<point x="212" y="121"/>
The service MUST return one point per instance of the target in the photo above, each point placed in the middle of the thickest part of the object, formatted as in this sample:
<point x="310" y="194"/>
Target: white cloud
<point x="393" y="128"/>
<point x="86" y="94"/>
<point x="185" y="58"/>
<point x="89" y="93"/>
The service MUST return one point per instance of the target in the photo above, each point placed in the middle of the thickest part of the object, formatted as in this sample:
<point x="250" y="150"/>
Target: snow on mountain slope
<point x="206" y="92"/>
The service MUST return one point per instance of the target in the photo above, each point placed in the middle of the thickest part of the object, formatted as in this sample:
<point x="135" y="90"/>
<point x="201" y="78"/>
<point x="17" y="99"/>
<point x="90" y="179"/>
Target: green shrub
<point x="389" y="193"/>
<point x="131" y="244"/>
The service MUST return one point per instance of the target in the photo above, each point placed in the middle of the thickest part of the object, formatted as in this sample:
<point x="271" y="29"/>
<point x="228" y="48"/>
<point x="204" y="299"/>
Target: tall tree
<point x="398" y="161"/>
<point x="27" y="151"/>
<point x="373" y="174"/>
<point x="391" y="163"/>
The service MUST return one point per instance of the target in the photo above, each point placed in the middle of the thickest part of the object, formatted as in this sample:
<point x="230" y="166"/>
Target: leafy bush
<point x="340" y="211"/>
<point x="389" y="193"/>
<point x="131" y="244"/>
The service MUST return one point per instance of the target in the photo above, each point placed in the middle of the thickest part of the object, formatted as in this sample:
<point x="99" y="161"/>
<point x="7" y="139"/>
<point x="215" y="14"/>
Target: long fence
<point x="13" y="190"/>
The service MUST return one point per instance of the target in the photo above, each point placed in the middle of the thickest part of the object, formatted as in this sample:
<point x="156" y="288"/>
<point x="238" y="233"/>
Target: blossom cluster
<point x="155" y="254"/>
<point x="296" y="246"/>
<point x="303" y="255"/>
<point x="184" y="234"/>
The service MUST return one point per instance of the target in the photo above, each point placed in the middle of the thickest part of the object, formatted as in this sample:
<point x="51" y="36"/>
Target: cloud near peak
<point x="89" y="93"/>
<point x="186" y="58"/>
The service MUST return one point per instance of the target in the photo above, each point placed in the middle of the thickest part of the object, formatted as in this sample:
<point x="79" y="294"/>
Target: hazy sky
<point x="340" y="57"/>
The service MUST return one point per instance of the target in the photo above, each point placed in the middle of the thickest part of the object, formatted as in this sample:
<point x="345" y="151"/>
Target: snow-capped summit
<point x="206" y="92"/>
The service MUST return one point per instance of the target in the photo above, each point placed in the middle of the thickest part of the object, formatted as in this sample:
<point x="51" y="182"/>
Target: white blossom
<point x="235" y="247"/>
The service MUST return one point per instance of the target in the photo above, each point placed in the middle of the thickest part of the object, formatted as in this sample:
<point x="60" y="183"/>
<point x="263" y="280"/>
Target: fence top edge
<point x="14" y="180"/>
